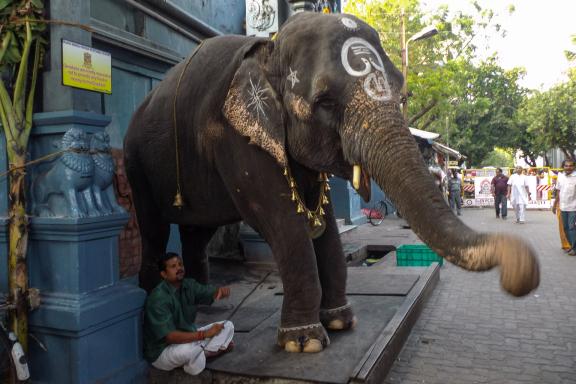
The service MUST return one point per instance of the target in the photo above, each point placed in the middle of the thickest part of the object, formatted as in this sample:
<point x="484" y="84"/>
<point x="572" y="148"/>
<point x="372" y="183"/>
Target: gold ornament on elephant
<point x="316" y="221"/>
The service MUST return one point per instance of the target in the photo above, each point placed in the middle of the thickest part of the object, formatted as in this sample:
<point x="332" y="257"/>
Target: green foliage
<point x="486" y="101"/>
<point x="549" y="118"/>
<point x="473" y="104"/>
<point x="498" y="158"/>
<point x="20" y="32"/>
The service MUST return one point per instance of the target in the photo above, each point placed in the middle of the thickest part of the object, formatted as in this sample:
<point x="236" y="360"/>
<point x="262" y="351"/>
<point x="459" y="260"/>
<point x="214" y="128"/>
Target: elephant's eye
<point x="326" y="102"/>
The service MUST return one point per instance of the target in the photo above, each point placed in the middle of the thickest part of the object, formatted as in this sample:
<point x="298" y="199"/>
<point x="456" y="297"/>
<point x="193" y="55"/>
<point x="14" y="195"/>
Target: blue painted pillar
<point x="88" y="319"/>
<point x="346" y="202"/>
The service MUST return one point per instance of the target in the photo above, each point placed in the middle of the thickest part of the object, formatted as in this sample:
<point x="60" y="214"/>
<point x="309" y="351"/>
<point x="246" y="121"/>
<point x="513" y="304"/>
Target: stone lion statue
<point x="102" y="187"/>
<point x="64" y="190"/>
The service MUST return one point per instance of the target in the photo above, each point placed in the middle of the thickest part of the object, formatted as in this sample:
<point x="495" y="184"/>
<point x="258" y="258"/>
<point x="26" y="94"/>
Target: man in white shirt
<point x="519" y="194"/>
<point x="566" y="199"/>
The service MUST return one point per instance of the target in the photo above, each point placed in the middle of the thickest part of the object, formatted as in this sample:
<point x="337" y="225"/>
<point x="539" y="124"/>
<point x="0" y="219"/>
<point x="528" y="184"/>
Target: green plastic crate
<point x="416" y="255"/>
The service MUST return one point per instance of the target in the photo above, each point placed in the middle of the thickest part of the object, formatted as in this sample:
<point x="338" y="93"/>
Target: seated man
<point x="171" y="338"/>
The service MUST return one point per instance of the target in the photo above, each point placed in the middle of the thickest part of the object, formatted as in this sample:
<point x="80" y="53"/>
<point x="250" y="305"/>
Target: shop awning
<point x="447" y="151"/>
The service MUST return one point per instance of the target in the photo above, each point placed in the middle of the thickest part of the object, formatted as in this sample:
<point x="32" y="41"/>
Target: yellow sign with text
<point x="86" y="68"/>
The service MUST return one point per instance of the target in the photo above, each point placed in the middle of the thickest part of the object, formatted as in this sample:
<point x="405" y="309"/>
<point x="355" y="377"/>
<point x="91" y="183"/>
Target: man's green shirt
<point x="169" y="309"/>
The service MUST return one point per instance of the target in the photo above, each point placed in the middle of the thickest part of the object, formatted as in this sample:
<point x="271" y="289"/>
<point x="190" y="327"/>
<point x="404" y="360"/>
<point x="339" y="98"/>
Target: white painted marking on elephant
<point x="376" y="86"/>
<point x="293" y="77"/>
<point x="376" y="83"/>
<point x="349" y="24"/>
<point x="257" y="98"/>
<point x="246" y="173"/>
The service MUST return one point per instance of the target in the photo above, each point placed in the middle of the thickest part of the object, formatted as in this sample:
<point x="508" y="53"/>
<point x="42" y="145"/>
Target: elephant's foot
<point x="338" y="319"/>
<point x="308" y="338"/>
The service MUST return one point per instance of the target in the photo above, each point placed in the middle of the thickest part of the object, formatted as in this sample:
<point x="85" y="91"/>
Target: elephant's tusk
<point x="356" y="177"/>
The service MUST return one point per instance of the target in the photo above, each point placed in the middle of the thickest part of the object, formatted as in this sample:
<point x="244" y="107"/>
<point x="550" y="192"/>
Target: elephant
<point x="249" y="128"/>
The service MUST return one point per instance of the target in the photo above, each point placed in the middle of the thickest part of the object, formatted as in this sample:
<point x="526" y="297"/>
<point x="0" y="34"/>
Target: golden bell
<point x="285" y="171"/>
<point x="300" y="208"/>
<point x="293" y="198"/>
<point x="178" y="200"/>
<point x="317" y="223"/>
<point x="322" y="213"/>
<point x="324" y="199"/>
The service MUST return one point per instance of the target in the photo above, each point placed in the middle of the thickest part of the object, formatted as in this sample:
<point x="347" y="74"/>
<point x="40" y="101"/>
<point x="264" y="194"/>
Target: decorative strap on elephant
<point x="332" y="311"/>
<point x="316" y="222"/>
<point x="178" y="199"/>
<point x="300" y="328"/>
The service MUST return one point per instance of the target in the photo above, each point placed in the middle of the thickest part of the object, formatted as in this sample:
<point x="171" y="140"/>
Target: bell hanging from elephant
<point x="249" y="128"/>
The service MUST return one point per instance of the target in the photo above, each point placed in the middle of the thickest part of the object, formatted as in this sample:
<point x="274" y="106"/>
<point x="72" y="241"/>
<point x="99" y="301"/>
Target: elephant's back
<point x="149" y="144"/>
<point x="202" y="76"/>
<point x="196" y="87"/>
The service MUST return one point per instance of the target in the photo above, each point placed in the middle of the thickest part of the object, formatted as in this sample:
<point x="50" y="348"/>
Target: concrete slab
<point x="386" y="299"/>
<point x="387" y="302"/>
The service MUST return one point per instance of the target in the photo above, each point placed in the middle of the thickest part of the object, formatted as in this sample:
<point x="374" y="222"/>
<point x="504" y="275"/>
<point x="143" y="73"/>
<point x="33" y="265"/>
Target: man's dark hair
<point x="567" y="161"/>
<point x="499" y="169"/>
<point x="164" y="258"/>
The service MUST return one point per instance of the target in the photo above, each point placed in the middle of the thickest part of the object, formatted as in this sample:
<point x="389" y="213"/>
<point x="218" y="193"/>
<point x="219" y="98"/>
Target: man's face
<point x="498" y="172"/>
<point x="519" y="170"/>
<point x="568" y="167"/>
<point x="174" y="272"/>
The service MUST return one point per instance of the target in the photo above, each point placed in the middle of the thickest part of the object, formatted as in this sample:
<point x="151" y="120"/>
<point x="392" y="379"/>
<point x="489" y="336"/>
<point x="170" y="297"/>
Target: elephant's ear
<point x="253" y="107"/>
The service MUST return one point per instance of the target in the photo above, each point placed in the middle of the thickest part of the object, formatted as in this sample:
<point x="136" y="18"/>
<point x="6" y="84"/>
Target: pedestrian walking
<point x="519" y="194"/>
<point x="566" y="201"/>
<point x="455" y="192"/>
<point x="499" y="189"/>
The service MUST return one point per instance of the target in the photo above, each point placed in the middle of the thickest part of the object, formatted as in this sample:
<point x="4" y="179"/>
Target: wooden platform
<point x="387" y="302"/>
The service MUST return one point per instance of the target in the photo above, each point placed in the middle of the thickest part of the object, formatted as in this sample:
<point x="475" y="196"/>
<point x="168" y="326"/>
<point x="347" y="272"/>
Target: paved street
<point x="470" y="331"/>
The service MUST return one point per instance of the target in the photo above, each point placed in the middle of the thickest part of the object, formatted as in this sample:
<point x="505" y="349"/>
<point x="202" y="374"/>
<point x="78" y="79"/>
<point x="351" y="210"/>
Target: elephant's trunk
<point x="387" y="150"/>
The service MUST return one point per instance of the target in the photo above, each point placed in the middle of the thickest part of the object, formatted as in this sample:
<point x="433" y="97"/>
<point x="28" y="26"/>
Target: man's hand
<point x="222" y="293"/>
<point x="554" y="209"/>
<point x="213" y="330"/>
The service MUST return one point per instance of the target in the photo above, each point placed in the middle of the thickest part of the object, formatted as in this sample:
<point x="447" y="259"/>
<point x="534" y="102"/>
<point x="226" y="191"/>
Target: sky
<point x="538" y="33"/>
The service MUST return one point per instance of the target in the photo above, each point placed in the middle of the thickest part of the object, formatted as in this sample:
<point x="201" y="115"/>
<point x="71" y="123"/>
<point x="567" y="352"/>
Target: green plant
<point x="21" y="27"/>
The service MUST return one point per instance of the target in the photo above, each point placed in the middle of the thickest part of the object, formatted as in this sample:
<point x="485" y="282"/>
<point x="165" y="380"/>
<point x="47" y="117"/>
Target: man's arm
<point x="181" y="337"/>
<point x="555" y="205"/>
<point x="527" y="189"/>
<point x="222" y="293"/>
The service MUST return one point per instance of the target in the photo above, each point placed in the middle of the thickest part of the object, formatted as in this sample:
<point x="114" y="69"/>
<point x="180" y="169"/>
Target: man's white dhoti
<point x="191" y="356"/>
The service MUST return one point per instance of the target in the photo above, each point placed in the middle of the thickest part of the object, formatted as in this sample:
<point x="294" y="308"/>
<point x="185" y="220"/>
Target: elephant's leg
<point x="194" y="240"/>
<point x="262" y="196"/>
<point x="335" y="312"/>
<point x="153" y="230"/>
<point x="300" y="329"/>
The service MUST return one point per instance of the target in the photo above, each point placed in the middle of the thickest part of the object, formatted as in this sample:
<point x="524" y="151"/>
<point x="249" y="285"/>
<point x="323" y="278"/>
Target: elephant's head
<point x="325" y="94"/>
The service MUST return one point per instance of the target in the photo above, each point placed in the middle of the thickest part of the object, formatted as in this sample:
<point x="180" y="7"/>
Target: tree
<point x="550" y="118"/>
<point x="499" y="157"/>
<point x="440" y="68"/>
<point x="485" y="108"/>
<point x="20" y="55"/>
